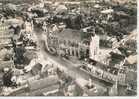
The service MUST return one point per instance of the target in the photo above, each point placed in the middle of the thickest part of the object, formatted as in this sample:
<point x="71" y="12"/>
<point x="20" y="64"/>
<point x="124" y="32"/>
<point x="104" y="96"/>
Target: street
<point x="69" y="68"/>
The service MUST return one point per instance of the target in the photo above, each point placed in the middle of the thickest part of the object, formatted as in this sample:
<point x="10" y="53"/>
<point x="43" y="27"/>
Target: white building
<point x="94" y="47"/>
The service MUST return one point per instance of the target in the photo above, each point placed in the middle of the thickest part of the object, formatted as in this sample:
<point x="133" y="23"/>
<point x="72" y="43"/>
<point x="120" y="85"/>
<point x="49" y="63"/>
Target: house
<point x="38" y="87"/>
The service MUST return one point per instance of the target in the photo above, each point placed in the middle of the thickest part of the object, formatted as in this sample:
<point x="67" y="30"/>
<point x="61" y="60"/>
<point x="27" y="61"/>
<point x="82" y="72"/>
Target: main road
<point x="68" y="67"/>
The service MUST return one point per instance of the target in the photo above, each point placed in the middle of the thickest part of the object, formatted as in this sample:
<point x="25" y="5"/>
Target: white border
<point x="98" y="97"/>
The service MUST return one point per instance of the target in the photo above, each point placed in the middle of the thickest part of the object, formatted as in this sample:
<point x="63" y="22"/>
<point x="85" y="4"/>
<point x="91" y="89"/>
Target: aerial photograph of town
<point x="68" y="48"/>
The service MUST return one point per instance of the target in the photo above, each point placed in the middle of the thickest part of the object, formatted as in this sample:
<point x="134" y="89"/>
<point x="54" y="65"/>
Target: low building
<point x="38" y="87"/>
